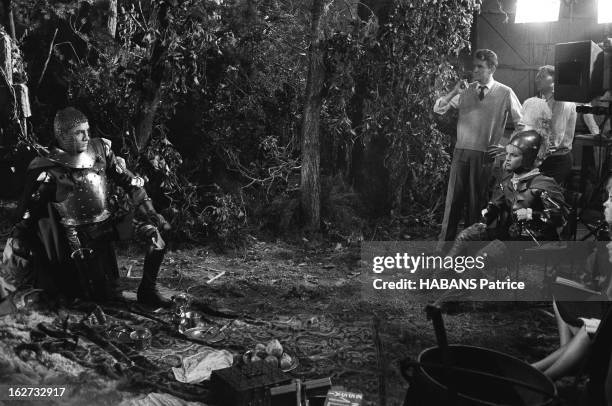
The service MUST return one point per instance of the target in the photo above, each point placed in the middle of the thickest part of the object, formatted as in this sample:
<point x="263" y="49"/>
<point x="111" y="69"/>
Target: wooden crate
<point x="246" y="384"/>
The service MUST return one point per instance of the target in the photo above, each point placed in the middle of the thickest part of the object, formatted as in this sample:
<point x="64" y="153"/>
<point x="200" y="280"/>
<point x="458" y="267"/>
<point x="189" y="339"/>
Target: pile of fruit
<point x="271" y="353"/>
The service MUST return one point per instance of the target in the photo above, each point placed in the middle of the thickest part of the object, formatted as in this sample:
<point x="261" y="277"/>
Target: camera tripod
<point x="603" y="143"/>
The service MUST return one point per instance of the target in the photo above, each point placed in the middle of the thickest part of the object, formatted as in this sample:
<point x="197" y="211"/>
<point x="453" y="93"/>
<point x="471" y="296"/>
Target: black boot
<point x="147" y="292"/>
<point x="115" y="293"/>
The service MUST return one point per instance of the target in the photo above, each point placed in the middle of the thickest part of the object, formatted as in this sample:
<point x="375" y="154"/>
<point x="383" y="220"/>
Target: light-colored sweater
<point x="481" y="122"/>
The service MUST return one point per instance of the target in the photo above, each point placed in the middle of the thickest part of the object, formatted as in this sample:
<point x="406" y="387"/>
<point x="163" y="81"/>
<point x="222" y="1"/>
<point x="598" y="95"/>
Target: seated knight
<point x="62" y="242"/>
<point x="526" y="205"/>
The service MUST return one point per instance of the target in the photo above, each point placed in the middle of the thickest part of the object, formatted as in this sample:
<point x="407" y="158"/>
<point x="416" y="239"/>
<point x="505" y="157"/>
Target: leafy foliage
<point x="413" y="57"/>
<point x="426" y="34"/>
<point x="225" y="142"/>
<point x="225" y="220"/>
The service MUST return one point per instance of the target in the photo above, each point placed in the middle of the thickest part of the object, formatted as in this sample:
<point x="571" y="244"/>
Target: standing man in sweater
<point x="484" y="107"/>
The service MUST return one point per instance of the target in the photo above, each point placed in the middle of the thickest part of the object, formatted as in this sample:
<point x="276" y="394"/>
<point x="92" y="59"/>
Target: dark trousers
<point x="478" y="239"/>
<point x="467" y="187"/>
<point x="557" y="167"/>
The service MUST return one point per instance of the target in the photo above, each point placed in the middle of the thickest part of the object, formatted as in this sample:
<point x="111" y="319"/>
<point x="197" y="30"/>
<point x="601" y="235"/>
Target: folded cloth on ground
<point x="198" y="367"/>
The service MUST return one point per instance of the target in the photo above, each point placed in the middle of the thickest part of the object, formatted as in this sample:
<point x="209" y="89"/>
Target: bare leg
<point x="574" y="353"/>
<point x="565" y="334"/>
<point x="545" y="363"/>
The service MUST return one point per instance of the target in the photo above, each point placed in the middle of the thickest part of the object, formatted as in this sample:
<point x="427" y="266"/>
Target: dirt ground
<point x="307" y="296"/>
<point x="310" y="296"/>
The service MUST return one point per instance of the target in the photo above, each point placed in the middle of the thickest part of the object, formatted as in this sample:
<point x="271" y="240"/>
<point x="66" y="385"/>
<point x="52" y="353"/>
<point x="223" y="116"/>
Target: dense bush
<point x="413" y="62"/>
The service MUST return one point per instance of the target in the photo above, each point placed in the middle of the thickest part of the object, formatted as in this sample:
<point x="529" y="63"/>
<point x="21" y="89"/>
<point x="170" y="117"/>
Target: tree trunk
<point x="150" y="93"/>
<point x="356" y="153"/>
<point x="10" y="19"/>
<point x="311" y="183"/>
<point x="111" y="23"/>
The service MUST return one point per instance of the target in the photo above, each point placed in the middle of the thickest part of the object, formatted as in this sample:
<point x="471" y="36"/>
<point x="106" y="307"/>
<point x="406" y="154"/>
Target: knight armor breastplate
<point x="82" y="192"/>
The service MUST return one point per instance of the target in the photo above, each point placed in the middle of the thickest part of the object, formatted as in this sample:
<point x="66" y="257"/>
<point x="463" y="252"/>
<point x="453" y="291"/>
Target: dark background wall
<point x="522" y="48"/>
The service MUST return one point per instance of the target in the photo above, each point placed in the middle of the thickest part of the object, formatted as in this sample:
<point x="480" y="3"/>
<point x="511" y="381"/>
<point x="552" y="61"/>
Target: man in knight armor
<point x="63" y="240"/>
<point x="526" y="205"/>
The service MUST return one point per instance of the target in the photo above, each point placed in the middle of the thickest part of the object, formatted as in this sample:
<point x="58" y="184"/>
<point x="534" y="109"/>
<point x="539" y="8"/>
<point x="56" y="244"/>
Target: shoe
<point x="151" y="297"/>
<point x="115" y="295"/>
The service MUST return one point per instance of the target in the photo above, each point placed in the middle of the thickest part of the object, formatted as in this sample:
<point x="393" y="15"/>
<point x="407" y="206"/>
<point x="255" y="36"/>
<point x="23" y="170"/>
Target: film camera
<point x="583" y="71"/>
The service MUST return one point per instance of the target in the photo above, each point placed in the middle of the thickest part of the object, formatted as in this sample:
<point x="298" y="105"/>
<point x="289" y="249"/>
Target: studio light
<point x="604" y="11"/>
<point x="540" y="11"/>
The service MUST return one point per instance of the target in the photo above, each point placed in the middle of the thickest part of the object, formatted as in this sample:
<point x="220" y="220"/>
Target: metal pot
<point x="477" y="377"/>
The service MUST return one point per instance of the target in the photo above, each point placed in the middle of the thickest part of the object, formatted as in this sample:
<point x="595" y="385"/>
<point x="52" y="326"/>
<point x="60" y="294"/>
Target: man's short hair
<point x="66" y="119"/>
<point x="487" y="56"/>
<point x="548" y="69"/>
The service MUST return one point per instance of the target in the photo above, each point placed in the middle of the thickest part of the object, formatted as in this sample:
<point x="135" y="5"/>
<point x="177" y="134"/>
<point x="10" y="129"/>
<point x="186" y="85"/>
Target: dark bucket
<point x="521" y="384"/>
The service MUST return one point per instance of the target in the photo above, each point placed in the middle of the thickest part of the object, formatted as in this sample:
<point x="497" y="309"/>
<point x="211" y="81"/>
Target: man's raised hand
<point x="461" y="86"/>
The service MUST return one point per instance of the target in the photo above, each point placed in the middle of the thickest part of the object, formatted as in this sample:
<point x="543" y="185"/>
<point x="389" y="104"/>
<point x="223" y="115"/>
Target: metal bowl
<point x="141" y="338"/>
<point x="189" y="320"/>
<point x="209" y="334"/>
<point x="194" y="317"/>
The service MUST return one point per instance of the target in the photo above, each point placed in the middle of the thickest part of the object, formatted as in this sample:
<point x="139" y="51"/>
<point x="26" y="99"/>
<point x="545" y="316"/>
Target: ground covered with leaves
<point x="305" y="295"/>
